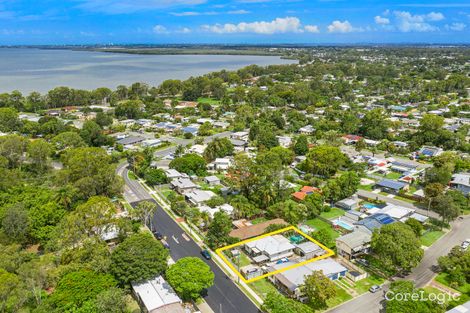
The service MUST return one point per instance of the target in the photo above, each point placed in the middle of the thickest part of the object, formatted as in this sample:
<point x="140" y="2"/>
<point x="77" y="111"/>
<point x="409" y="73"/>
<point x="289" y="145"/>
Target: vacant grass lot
<point x="334" y="212"/>
<point x="319" y="224"/>
<point x="262" y="287"/>
<point x="363" y="285"/>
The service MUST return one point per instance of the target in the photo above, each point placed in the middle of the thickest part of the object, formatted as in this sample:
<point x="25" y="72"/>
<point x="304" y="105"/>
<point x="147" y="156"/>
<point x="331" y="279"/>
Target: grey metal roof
<point x="391" y="184"/>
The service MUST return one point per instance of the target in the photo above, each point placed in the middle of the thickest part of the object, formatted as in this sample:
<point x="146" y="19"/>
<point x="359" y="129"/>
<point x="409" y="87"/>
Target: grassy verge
<point x="341" y="296"/>
<point x="430" y="237"/>
<point x="443" y="278"/>
<point x="363" y="285"/>
<point x="131" y="175"/>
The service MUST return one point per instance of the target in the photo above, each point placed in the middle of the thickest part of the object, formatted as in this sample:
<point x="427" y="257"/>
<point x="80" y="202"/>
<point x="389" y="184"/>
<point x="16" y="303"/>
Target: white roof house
<point x="461" y="182"/>
<point x="273" y="247"/>
<point x="157" y="296"/>
<point x="172" y="173"/>
<point x="294" y="278"/>
<point x="198" y="149"/>
<point x="395" y="211"/>
<point x="199" y="196"/>
<point x="183" y="185"/>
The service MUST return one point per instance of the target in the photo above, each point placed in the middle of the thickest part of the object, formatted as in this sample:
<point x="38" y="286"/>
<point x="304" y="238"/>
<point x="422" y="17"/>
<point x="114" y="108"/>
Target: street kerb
<point x="220" y="253"/>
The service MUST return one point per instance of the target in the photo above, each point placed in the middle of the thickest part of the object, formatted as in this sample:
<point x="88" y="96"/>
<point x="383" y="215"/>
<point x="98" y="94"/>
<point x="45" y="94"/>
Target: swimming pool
<point x="369" y="206"/>
<point x="342" y="224"/>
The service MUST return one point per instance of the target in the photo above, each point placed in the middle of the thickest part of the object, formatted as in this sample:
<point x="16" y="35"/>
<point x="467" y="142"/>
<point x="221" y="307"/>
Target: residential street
<point x="224" y="296"/>
<point x="184" y="142"/>
<point x="372" y="195"/>
<point x="421" y="275"/>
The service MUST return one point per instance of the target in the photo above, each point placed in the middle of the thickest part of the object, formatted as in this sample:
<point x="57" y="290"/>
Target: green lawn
<point x="258" y="220"/>
<point x="393" y="175"/>
<point x="406" y="199"/>
<point x="131" y="175"/>
<point x="341" y="296"/>
<point x="208" y="100"/>
<point x="319" y="224"/>
<point x="366" y="187"/>
<point x="334" y="212"/>
<point x="442" y="278"/>
<point x="262" y="287"/>
<point x="363" y="285"/>
<point x="430" y="237"/>
<point x="244" y="260"/>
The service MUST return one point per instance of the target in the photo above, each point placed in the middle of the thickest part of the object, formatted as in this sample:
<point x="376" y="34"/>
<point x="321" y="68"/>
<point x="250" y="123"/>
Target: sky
<point x="233" y="21"/>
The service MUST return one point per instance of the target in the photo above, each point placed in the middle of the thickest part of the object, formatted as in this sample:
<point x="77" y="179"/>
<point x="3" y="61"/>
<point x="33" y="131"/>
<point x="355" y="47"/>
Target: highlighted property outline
<point x="220" y="251"/>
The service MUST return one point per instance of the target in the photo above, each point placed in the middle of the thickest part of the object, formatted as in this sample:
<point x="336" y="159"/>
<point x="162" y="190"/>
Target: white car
<point x="465" y="245"/>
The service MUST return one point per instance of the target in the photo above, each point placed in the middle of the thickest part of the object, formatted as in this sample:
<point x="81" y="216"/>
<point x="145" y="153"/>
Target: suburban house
<point x="461" y="182"/>
<point x="290" y="282"/>
<point x="391" y="186"/>
<point x="173" y="174"/>
<point x="241" y="135"/>
<point x="251" y="271"/>
<point x="428" y="151"/>
<point x="307" y="130"/>
<point x="220" y="164"/>
<point x="271" y="248"/>
<point x="402" y="167"/>
<point x="244" y="231"/>
<point x="212" y="180"/>
<point x="353" y="244"/>
<point x="308" y="250"/>
<point x="157" y="296"/>
<point x="375" y="221"/>
<point x="304" y="192"/>
<point x="198" y="197"/>
<point x="183" y="185"/>
<point x="351" y="203"/>
<point x="284" y="141"/>
<point x="351" y="139"/>
<point x="395" y="211"/>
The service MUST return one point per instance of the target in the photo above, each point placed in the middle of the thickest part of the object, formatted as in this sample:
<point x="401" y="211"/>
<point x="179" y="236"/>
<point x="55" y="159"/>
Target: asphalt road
<point x="224" y="296"/>
<point x="371" y="195"/>
<point x="421" y="275"/>
<point x="185" y="142"/>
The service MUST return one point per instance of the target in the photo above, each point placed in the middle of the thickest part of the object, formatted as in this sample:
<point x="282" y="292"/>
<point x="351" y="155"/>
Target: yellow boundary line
<point x="220" y="251"/>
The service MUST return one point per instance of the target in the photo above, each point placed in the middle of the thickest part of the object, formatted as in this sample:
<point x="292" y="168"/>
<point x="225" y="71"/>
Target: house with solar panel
<point x="429" y="152"/>
<point x="391" y="186"/>
<point x="373" y="222"/>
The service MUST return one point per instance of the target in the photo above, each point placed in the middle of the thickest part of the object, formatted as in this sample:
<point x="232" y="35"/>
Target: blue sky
<point x="233" y="21"/>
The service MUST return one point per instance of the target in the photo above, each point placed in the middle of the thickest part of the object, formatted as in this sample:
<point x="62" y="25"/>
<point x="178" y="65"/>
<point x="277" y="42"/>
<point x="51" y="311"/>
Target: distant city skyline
<point x="233" y="21"/>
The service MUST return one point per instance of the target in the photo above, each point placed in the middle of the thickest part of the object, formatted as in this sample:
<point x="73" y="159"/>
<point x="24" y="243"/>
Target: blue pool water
<point x="369" y="206"/>
<point x="344" y="225"/>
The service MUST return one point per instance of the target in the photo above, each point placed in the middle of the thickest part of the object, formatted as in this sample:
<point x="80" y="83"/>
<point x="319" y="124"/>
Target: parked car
<point x="374" y="288"/>
<point x="465" y="245"/>
<point x="206" y="254"/>
<point x="158" y="235"/>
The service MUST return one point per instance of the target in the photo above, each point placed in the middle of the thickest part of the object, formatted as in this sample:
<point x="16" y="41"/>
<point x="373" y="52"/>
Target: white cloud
<point x="435" y="16"/>
<point x="184" y="30"/>
<point x="276" y="26"/>
<point x="312" y="29"/>
<point x="239" y="12"/>
<point x="456" y="26"/>
<point x="381" y="20"/>
<point x="341" y="27"/>
<point x="160" y="29"/>
<point x="406" y="22"/>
